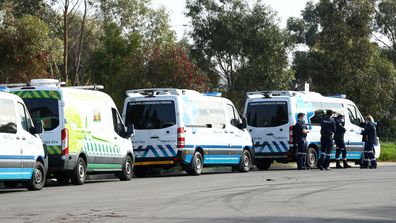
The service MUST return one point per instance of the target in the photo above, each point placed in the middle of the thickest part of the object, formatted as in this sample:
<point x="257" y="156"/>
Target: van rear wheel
<point x="79" y="174"/>
<point x="126" y="173"/>
<point x="312" y="158"/>
<point x="263" y="164"/>
<point x="38" y="178"/>
<point x="196" y="164"/>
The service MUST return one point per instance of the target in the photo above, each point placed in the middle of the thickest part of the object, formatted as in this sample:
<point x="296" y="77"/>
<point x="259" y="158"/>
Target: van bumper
<point x="160" y="161"/>
<point x="59" y="163"/>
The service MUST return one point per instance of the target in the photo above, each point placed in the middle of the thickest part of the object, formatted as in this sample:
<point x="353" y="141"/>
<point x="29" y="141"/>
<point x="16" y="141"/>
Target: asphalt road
<point x="282" y="195"/>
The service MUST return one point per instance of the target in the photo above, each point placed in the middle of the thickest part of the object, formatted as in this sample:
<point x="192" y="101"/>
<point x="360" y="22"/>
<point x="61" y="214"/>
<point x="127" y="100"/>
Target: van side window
<point x="354" y="115"/>
<point x="318" y="113"/>
<point x="234" y="120"/>
<point x="151" y="114"/>
<point x="337" y="108"/>
<point x="117" y="123"/>
<point x="45" y="110"/>
<point x="7" y="117"/>
<point x="26" y="123"/>
<point x="267" y="114"/>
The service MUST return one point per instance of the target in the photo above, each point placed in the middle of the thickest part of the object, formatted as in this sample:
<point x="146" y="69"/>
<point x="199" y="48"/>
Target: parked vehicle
<point x="187" y="128"/>
<point x="271" y="116"/>
<point x="83" y="130"/>
<point x="22" y="156"/>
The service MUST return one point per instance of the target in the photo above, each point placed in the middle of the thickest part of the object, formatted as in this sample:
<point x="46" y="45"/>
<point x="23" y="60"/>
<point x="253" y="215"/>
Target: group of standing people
<point x="333" y="130"/>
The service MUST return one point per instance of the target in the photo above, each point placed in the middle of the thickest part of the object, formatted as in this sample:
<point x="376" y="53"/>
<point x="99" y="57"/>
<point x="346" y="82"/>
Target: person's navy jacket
<point x="299" y="128"/>
<point x="340" y="131"/>
<point x="328" y="127"/>
<point x="370" y="134"/>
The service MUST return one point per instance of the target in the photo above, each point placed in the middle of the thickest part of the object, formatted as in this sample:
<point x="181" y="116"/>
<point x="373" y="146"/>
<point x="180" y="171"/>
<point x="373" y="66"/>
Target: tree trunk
<point x="65" y="40"/>
<point x="79" y="51"/>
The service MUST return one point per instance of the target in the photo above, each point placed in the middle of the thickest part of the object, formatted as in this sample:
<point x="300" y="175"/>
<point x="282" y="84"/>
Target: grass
<point x="388" y="152"/>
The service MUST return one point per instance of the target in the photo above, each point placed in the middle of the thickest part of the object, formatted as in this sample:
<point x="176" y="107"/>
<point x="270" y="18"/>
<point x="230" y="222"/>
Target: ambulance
<point x="22" y="156"/>
<point x="83" y="130"/>
<point x="271" y="116"/>
<point x="178" y="127"/>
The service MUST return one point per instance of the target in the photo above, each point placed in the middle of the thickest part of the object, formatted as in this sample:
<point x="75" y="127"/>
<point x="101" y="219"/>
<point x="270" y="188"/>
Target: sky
<point x="175" y="8"/>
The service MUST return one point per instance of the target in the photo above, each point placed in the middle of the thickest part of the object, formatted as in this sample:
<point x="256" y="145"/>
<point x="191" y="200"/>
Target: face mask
<point x="342" y="120"/>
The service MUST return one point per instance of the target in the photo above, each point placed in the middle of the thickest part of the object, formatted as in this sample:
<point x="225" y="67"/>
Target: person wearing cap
<point x="370" y="139"/>
<point x="327" y="131"/>
<point x="339" y="141"/>
<point x="301" y="132"/>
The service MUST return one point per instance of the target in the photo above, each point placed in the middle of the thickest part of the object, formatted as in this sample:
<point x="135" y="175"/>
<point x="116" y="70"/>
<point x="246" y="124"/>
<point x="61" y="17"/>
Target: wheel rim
<point x="128" y="167"/>
<point x="81" y="171"/>
<point x="246" y="160"/>
<point x="198" y="163"/>
<point x="311" y="158"/>
<point x="38" y="177"/>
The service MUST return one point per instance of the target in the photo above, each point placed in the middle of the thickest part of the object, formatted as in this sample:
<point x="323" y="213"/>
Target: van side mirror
<point x="243" y="123"/>
<point x="38" y="127"/>
<point x="130" y="131"/>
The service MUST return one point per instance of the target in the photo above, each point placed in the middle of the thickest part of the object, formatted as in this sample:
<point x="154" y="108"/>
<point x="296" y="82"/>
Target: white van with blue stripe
<point x="187" y="128"/>
<point x="22" y="156"/>
<point x="271" y="116"/>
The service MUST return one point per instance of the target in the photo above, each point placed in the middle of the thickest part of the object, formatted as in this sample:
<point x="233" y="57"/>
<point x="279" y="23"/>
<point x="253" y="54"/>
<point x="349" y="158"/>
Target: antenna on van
<point x="88" y="87"/>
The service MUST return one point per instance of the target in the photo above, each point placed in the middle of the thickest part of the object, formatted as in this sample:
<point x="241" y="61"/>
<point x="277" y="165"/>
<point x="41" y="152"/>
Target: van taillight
<point x="291" y="135"/>
<point x="181" y="140"/>
<point x="65" y="141"/>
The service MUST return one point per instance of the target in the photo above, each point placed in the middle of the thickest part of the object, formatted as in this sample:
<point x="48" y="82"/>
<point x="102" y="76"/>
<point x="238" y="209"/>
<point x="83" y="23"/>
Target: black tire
<point x="127" y="169"/>
<point x="10" y="184"/>
<point x="263" y="164"/>
<point x="38" y="178"/>
<point x="312" y="158"/>
<point x="63" y="178"/>
<point x="140" y="171"/>
<point x="246" y="162"/>
<point x="196" y="164"/>
<point x="79" y="174"/>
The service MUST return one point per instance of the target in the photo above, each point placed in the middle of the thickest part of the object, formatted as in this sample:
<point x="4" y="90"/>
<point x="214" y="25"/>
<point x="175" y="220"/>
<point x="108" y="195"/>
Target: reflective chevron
<point x="39" y="94"/>
<point x="158" y="151"/>
<point x="100" y="148"/>
<point x="54" y="150"/>
<point x="271" y="147"/>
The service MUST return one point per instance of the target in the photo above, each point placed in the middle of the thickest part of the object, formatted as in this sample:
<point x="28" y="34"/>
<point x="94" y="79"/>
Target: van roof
<point x="48" y="84"/>
<point x="7" y="95"/>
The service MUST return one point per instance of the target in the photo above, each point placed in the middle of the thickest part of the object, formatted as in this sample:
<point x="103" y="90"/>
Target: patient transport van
<point x="187" y="128"/>
<point x="83" y="130"/>
<point x="22" y="156"/>
<point x="271" y="116"/>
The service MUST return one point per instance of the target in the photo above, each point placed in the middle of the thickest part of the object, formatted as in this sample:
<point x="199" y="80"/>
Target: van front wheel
<point x="79" y="174"/>
<point x="196" y="164"/>
<point x="246" y="162"/>
<point x="38" y="178"/>
<point x="127" y="172"/>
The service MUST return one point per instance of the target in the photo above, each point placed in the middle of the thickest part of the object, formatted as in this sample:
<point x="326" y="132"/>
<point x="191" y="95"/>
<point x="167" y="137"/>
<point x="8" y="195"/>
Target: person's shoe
<point x="328" y="168"/>
<point x="338" y="166"/>
<point x="372" y="167"/>
<point x="346" y="164"/>
<point x="320" y="168"/>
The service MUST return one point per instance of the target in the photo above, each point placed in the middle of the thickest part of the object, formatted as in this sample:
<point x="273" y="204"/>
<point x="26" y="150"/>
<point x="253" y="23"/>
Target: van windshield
<point x="267" y="114"/>
<point x="44" y="109"/>
<point x="151" y="114"/>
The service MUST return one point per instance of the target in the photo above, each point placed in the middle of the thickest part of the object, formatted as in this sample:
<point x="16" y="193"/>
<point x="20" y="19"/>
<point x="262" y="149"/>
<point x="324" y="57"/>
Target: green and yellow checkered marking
<point x="54" y="150"/>
<point x="39" y="94"/>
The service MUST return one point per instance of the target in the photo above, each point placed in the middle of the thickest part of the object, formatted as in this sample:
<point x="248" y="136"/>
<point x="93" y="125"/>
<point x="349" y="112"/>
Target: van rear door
<point x="156" y="130"/>
<point x="268" y="124"/>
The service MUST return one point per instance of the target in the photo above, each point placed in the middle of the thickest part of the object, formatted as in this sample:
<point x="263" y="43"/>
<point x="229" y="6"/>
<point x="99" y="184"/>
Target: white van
<point x="187" y="128"/>
<point x="271" y="116"/>
<point x="22" y="156"/>
<point x="83" y="130"/>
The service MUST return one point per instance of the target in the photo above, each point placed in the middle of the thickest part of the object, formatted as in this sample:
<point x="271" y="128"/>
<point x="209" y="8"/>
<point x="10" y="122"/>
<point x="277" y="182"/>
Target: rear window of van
<point x="44" y="109"/>
<point x="151" y="114"/>
<point x="267" y="114"/>
<point x="7" y="117"/>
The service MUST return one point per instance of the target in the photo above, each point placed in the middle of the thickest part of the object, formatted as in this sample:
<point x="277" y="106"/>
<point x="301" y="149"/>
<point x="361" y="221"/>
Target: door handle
<point x="351" y="130"/>
<point x="115" y="137"/>
<point x="270" y="134"/>
<point x="225" y="131"/>
<point x="231" y="132"/>
<point x="154" y="137"/>
<point x="17" y="138"/>
<point x="23" y="138"/>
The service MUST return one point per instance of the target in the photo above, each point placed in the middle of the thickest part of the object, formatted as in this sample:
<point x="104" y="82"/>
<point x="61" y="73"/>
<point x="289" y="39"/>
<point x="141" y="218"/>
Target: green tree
<point x="241" y="43"/>
<point x="341" y="58"/>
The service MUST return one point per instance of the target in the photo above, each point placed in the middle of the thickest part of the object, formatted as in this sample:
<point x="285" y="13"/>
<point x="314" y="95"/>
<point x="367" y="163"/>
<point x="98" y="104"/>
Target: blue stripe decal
<point x="163" y="151"/>
<point x="171" y="150"/>
<point x="9" y="157"/>
<point x="15" y="173"/>
<point x="276" y="146"/>
<point x="221" y="159"/>
<point x="285" y="147"/>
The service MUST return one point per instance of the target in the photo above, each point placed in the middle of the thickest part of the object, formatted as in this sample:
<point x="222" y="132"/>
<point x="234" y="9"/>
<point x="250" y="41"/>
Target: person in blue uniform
<point x="340" y="143"/>
<point x="370" y="139"/>
<point x="327" y="131"/>
<point x="301" y="131"/>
